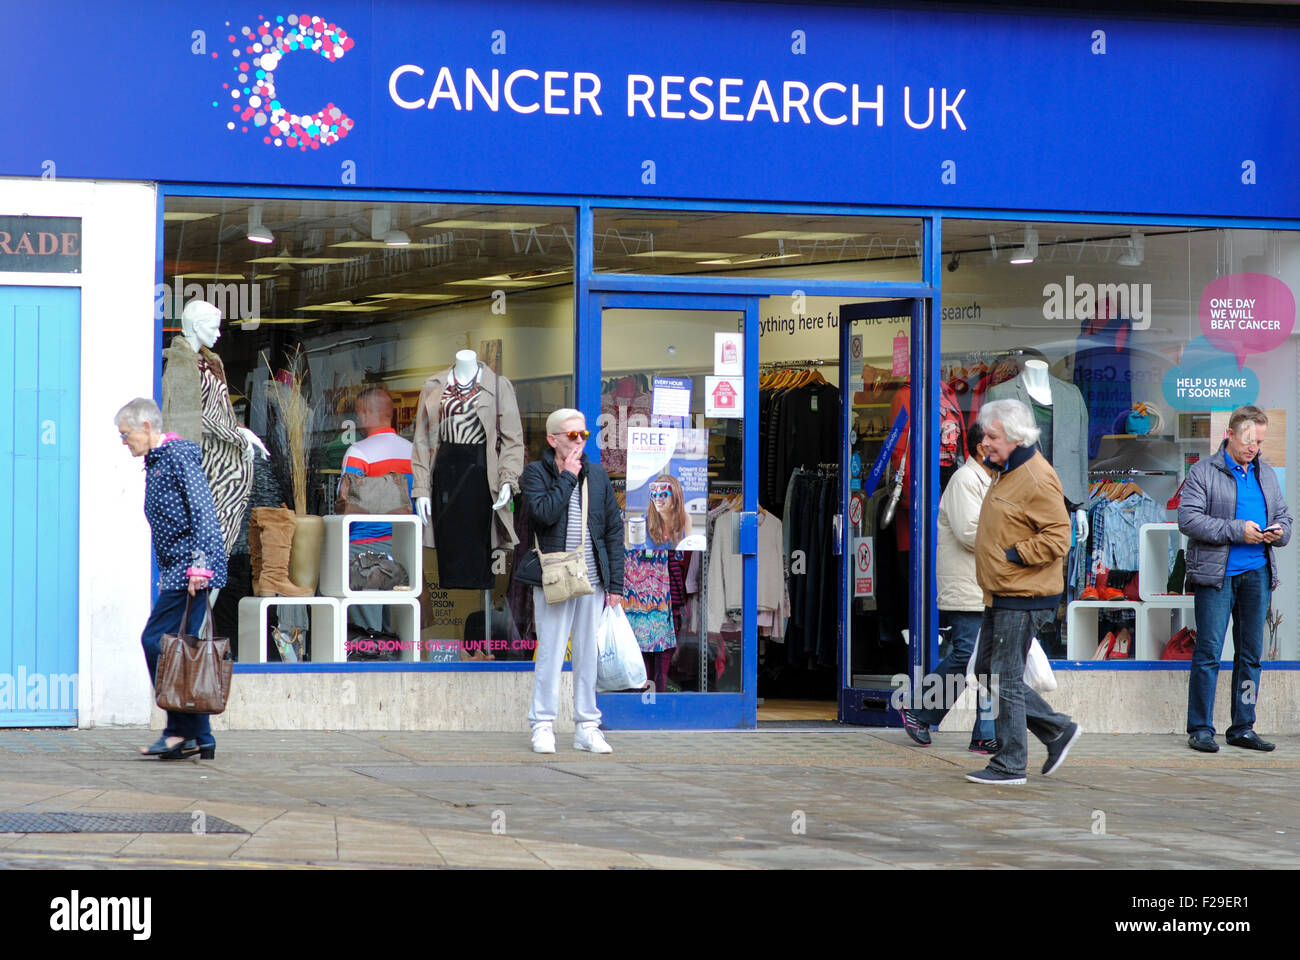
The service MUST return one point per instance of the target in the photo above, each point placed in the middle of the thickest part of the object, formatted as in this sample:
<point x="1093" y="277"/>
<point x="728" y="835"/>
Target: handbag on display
<point x="370" y="645"/>
<point x="383" y="494"/>
<point x="193" y="673"/>
<point x="564" y="573"/>
<point x="372" y="570"/>
<point x="1181" y="645"/>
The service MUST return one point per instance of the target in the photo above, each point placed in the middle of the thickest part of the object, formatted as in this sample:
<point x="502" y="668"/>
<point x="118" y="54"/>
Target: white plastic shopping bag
<point x="619" y="665"/>
<point x="1038" y="670"/>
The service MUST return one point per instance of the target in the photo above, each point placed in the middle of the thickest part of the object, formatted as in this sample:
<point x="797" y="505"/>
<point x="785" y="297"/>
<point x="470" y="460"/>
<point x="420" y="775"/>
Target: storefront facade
<point x="775" y="225"/>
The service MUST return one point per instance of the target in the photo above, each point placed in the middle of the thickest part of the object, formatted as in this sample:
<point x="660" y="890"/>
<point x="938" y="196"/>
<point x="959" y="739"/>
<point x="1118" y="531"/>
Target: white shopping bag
<point x="1038" y="671"/>
<point x="619" y="665"/>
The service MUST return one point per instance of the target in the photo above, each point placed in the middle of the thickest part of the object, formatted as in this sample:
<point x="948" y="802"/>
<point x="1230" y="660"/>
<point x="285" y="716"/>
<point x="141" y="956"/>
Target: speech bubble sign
<point x="1247" y="313"/>
<point x="1209" y="379"/>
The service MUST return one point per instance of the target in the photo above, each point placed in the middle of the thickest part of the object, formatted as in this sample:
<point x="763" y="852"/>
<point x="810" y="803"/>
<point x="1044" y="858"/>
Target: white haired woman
<point x="188" y="549"/>
<point x="1023" y="537"/>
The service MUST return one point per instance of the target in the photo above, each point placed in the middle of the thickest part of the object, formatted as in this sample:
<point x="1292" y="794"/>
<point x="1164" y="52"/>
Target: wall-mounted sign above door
<point x="40" y="244"/>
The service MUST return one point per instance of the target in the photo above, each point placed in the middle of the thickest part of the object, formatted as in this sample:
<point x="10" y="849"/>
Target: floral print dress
<point x="647" y="599"/>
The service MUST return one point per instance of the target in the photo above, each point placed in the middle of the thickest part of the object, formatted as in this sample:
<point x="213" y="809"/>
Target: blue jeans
<point x="166" y="618"/>
<point x="1004" y="644"/>
<point x="1245" y="598"/>
<point x="965" y="629"/>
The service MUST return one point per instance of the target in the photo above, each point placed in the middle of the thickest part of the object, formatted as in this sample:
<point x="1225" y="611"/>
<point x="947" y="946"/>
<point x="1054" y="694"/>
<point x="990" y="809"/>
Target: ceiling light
<point x="181" y="278"/>
<point x="308" y="260"/>
<point x="173" y="216"/>
<point x="482" y="225"/>
<point x="799" y="235"/>
<point x="1135" y="250"/>
<point x="758" y="258"/>
<point x="386" y="242"/>
<point x="346" y="306"/>
<point x="1029" y="252"/>
<point x="687" y="254"/>
<point x="414" y="296"/>
<point x="256" y="232"/>
<point x="382" y="232"/>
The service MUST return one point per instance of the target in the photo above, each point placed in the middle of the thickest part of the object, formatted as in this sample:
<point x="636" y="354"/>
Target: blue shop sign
<point x="758" y="102"/>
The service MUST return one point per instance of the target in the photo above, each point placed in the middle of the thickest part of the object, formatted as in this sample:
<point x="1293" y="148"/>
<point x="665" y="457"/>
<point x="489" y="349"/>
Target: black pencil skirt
<point x="462" y="517"/>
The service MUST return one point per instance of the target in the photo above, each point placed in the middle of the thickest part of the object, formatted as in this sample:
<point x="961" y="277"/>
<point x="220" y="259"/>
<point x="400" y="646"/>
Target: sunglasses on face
<point x="575" y="435"/>
<point x="662" y="493"/>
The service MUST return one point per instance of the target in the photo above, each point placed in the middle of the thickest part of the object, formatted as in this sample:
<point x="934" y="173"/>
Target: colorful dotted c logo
<point x="258" y="51"/>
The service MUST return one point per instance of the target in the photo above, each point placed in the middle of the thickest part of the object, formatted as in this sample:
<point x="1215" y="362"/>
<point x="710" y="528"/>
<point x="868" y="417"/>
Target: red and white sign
<point x="728" y="354"/>
<point x="724" y="397"/>
<point x="855" y="511"/>
<point x="902" y="354"/>
<point x="864" y="567"/>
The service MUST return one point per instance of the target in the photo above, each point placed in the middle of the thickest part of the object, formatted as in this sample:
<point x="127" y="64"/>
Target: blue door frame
<point x="632" y="711"/>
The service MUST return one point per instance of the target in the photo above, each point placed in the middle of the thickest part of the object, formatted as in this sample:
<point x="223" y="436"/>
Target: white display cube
<point x="1153" y="560"/>
<point x="324" y="636"/>
<point x="407" y="548"/>
<point x="403" y="620"/>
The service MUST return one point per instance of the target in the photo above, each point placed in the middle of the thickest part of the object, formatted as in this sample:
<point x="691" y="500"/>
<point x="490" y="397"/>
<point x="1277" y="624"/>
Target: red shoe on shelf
<point x="1119" y="650"/>
<point x="1104" y="648"/>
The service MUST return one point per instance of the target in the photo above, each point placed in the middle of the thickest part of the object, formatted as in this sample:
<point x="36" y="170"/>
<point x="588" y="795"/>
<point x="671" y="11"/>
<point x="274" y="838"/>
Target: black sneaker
<point x="989" y="746"/>
<point x="1058" y="748"/>
<point x="918" y="731"/>
<point x="1203" y="742"/>
<point x="996" y="777"/>
<point x="1250" y="740"/>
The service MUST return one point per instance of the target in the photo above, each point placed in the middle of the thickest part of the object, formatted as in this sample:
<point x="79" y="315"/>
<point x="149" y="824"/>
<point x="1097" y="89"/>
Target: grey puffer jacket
<point x="1207" y="515"/>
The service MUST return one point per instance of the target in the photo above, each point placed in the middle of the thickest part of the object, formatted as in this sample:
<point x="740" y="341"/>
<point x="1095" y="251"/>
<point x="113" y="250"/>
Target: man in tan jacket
<point x="1024" y="534"/>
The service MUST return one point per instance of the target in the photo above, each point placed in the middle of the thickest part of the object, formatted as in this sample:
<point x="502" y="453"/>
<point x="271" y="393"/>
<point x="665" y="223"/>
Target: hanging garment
<point x="647" y="599"/>
<point x="1102" y="373"/>
<point x="462" y="517"/>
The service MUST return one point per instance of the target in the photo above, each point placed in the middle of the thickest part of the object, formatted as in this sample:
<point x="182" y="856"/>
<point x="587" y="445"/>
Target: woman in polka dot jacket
<point x="188" y="548"/>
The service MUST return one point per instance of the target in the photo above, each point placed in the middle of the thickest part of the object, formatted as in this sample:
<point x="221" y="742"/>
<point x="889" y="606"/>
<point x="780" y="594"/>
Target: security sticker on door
<point x="864" y="567"/>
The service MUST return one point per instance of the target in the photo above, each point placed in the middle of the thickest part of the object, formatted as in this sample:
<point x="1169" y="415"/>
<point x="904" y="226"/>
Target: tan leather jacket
<point x="498" y="410"/>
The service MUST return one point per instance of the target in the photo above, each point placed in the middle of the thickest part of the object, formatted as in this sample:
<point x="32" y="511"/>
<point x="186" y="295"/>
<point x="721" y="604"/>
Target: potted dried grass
<point x="297" y="419"/>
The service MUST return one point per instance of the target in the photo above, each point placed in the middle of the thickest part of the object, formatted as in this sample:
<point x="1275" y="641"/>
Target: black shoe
<point x="996" y="778"/>
<point x="1203" y="742"/>
<point x="186" y="748"/>
<point x="990" y="746"/>
<point x="1251" y="741"/>
<point x="207" y="751"/>
<point x="1058" y="748"/>
<point x="918" y="731"/>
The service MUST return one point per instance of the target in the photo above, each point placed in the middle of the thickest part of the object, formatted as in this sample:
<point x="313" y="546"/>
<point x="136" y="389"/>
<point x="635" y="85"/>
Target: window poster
<point x="667" y="488"/>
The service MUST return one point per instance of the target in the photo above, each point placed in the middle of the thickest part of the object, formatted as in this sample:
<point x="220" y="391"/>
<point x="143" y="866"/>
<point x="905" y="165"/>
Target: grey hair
<point x="562" y="416"/>
<point x="1017" y="421"/>
<point x="137" y="413"/>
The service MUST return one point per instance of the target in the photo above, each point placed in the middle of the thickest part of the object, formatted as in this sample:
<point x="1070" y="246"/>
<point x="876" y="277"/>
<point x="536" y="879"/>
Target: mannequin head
<point x="200" y="324"/>
<point x="375" y="409"/>
<point x="466" y="366"/>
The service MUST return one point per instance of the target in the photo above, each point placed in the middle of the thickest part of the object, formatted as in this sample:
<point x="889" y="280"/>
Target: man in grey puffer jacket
<point x="1233" y="514"/>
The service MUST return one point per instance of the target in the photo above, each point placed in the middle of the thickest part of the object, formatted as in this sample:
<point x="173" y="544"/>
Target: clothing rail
<point x="793" y="364"/>
<point x="1133" y="473"/>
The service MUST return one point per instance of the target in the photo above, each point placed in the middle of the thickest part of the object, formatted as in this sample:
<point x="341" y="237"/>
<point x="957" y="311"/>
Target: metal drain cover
<point x="505" y="773"/>
<point x="59" y="822"/>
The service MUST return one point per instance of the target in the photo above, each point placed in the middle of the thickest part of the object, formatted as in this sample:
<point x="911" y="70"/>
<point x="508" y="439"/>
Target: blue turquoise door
<point x="40" y="375"/>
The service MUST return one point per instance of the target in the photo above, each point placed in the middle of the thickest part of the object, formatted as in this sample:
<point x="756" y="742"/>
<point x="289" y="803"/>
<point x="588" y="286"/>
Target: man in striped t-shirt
<point x="380" y="453"/>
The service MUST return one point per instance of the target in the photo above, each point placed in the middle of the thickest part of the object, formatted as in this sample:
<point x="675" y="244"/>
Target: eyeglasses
<point x="574" y="435"/>
<point x="663" y="493"/>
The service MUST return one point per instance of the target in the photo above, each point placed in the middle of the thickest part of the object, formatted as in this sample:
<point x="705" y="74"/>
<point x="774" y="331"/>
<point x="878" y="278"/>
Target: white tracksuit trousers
<point x="577" y="619"/>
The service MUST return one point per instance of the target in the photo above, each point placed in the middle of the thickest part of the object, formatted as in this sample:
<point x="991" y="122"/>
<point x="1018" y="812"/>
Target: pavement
<point x="815" y="796"/>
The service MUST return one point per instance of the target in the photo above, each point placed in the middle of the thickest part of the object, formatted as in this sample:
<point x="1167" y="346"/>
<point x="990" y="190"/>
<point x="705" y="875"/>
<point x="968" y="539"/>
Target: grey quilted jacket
<point x="1207" y="515"/>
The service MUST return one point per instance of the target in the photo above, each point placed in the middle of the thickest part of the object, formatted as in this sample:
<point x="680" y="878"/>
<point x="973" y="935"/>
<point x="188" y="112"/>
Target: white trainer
<point x="543" y="738"/>
<point x="587" y="736"/>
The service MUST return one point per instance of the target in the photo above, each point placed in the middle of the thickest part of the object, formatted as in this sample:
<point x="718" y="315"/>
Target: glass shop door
<point x="677" y="432"/>
<point x="884" y="601"/>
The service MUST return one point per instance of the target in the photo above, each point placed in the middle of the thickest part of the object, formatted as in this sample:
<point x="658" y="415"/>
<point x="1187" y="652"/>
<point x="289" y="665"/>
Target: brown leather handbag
<point x="193" y="672"/>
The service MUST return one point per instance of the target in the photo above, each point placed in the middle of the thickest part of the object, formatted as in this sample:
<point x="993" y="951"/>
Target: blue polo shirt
<point x="1243" y="557"/>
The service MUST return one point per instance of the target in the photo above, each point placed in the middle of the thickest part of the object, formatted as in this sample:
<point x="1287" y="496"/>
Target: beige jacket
<point x="959" y="520"/>
<point x="498" y="410"/>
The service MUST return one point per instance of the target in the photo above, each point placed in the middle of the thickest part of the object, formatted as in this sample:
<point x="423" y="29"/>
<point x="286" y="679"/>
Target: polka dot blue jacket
<point x="181" y="515"/>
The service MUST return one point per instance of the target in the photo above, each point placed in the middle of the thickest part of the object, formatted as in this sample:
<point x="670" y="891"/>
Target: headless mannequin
<point x="1039" y="386"/>
<point x="463" y="372"/>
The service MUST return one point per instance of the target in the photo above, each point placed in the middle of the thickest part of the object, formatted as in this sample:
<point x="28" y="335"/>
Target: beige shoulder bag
<point x="564" y="574"/>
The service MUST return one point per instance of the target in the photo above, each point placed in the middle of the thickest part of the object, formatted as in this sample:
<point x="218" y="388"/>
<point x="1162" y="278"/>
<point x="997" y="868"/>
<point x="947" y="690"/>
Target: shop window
<point x="337" y="315"/>
<point x="1121" y="339"/>
<point x="716" y="244"/>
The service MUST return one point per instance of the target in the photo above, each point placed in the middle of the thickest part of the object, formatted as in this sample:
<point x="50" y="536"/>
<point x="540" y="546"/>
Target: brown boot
<point x="276" y="525"/>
